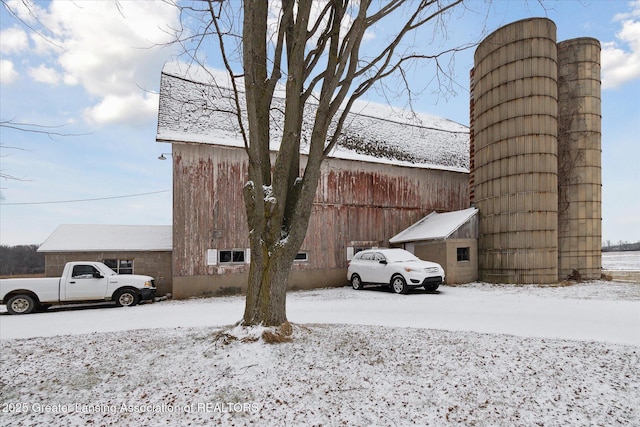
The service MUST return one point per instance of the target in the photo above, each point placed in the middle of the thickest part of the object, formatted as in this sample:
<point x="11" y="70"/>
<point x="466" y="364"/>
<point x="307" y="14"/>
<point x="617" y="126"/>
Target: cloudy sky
<point x="86" y="74"/>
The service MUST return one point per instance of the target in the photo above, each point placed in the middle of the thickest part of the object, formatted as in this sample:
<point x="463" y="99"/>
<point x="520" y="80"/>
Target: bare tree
<point x="49" y="131"/>
<point x="315" y="50"/>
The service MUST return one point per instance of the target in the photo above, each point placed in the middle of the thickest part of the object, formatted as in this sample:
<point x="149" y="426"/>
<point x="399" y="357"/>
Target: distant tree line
<point x="21" y="259"/>
<point x="621" y="246"/>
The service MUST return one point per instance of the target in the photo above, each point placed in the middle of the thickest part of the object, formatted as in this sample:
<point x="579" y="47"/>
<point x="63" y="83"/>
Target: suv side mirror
<point x="97" y="275"/>
<point x="383" y="261"/>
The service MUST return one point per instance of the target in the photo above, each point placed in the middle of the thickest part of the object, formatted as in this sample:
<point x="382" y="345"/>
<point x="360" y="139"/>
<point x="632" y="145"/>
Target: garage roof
<point x="434" y="226"/>
<point x="90" y="238"/>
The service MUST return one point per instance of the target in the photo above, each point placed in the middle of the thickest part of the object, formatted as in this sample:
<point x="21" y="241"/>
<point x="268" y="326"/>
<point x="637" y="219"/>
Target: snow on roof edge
<point x="439" y="154"/>
<point x="177" y="137"/>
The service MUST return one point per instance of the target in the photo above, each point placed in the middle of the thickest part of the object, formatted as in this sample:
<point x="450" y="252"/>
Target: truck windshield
<point x="108" y="271"/>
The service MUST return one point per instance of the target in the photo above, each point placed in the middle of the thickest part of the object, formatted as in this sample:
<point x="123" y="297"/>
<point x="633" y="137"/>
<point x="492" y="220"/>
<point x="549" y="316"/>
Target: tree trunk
<point x="266" y="295"/>
<point x="272" y="254"/>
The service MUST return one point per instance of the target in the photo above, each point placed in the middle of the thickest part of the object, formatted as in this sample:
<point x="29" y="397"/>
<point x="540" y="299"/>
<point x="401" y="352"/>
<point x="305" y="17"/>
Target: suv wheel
<point x="399" y="285"/>
<point x="356" y="282"/>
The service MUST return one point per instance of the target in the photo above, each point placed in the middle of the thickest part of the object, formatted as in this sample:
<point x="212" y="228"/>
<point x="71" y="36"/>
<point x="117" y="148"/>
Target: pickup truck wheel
<point x="126" y="298"/>
<point x="20" y="304"/>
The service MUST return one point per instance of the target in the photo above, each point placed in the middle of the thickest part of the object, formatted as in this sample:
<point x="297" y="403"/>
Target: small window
<point x="379" y="257"/>
<point x="301" y="257"/>
<point x="463" y="254"/>
<point x="231" y="256"/>
<point x="120" y="266"/>
<point x="125" y="266"/>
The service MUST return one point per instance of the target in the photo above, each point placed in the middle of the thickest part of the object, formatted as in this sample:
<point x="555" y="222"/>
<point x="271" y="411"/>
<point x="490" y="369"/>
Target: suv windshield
<point x="400" y="255"/>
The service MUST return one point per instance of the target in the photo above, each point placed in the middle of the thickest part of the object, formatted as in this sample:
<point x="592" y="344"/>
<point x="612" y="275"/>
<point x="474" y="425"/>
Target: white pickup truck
<point x="81" y="282"/>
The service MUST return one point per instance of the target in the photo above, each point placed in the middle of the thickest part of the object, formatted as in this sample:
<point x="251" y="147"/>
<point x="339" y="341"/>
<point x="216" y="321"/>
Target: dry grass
<point x="607" y="277"/>
<point x="281" y="334"/>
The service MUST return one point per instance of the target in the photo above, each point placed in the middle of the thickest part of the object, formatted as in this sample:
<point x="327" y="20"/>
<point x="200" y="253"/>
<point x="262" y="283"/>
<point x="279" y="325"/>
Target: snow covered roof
<point x="89" y="238"/>
<point x="434" y="226"/>
<point x="195" y="107"/>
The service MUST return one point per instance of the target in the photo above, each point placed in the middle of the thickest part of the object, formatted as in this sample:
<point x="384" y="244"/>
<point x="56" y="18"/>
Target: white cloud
<point x="109" y="48"/>
<point x="634" y="13"/>
<point x="8" y="74"/>
<point x="13" y="40"/>
<point x="44" y="74"/>
<point x="621" y="58"/>
<point x="26" y="11"/>
<point x="114" y="108"/>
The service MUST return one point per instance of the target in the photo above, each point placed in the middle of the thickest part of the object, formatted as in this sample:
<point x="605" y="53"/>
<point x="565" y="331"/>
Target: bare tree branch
<point x="36" y="31"/>
<point x="35" y="128"/>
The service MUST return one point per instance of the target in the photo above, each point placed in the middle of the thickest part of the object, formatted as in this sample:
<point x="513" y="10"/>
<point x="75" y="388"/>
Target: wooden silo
<point x="579" y="159"/>
<point x="515" y="153"/>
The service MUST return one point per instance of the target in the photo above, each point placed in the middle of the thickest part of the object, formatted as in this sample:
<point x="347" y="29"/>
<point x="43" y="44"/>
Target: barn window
<point x="301" y="257"/>
<point x="463" y="254"/>
<point x="120" y="266"/>
<point x="233" y="256"/>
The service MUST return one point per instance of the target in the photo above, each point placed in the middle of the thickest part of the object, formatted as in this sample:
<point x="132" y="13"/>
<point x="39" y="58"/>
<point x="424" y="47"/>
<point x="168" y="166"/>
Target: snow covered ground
<point x="621" y="261"/>
<point x="471" y="355"/>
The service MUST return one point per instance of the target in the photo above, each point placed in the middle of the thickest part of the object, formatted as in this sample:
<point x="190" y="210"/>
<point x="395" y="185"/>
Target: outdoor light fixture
<point x="162" y="157"/>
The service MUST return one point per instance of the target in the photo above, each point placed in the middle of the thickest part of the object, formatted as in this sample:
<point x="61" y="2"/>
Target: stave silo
<point x="515" y="153"/>
<point x="579" y="159"/>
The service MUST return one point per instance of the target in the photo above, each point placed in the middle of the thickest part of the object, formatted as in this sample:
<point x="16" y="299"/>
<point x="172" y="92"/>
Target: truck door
<point x="85" y="283"/>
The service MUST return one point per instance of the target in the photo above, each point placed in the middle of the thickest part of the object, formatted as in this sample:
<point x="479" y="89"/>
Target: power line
<point x="84" y="200"/>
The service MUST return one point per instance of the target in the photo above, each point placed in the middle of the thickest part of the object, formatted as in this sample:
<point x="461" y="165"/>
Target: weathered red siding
<point x="209" y="208"/>
<point x="355" y="201"/>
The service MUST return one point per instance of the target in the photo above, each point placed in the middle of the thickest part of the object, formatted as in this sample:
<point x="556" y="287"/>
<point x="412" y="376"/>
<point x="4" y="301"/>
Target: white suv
<point x="396" y="268"/>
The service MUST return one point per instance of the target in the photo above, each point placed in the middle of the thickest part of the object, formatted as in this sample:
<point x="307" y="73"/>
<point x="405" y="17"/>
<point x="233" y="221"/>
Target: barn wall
<point x="231" y="284"/>
<point x="373" y="202"/>
<point x="208" y="207"/>
<point x="156" y="264"/>
<point x="355" y="201"/>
